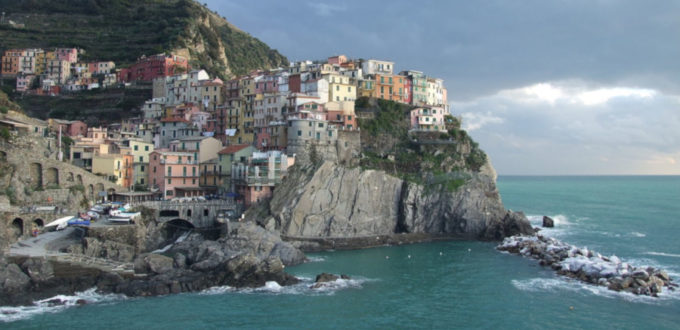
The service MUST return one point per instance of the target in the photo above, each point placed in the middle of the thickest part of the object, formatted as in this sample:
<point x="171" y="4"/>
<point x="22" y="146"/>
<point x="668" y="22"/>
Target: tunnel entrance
<point x="17" y="227"/>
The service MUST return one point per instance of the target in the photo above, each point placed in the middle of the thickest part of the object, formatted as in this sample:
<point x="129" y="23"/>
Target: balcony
<point x="184" y="162"/>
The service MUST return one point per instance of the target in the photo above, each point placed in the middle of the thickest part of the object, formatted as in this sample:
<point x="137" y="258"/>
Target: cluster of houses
<point x="200" y="135"/>
<point x="51" y="72"/>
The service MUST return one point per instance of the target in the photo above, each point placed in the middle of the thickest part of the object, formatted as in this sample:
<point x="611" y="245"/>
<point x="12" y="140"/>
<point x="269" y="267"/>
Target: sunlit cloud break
<point x="574" y="93"/>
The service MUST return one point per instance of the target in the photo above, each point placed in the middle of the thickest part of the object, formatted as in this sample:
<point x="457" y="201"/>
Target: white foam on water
<point x="638" y="234"/>
<point x="316" y="259"/>
<point x="302" y="288"/>
<point x="11" y="314"/>
<point x="565" y="284"/>
<point x="663" y="254"/>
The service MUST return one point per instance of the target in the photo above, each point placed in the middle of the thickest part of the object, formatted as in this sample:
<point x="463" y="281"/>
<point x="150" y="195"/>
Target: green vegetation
<point x="436" y="160"/>
<point x="4" y="134"/>
<point x="4" y="109"/>
<point x="94" y="108"/>
<point x="52" y="186"/>
<point x="123" y="30"/>
<point x="75" y="188"/>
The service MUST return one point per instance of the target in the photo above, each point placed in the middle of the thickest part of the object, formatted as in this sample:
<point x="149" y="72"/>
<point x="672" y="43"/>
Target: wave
<point x="663" y="254"/>
<point x="56" y="304"/>
<point x="302" y="288"/>
<point x="638" y="234"/>
<point x="558" y="219"/>
<point x="566" y="284"/>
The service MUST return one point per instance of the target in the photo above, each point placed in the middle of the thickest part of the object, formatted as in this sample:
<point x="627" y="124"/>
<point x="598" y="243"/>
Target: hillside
<point x="428" y="158"/>
<point x="123" y="30"/>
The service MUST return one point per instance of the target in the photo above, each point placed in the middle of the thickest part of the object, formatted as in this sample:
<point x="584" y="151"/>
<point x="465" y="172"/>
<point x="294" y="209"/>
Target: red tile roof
<point x="233" y="149"/>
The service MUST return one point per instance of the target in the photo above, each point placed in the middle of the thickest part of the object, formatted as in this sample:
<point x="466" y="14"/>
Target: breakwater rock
<point x="589" y="266"/>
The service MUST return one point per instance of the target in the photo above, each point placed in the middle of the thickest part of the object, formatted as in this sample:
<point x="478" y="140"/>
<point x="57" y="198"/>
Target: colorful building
<point x="148" y="68"/>
<point x="428" y="119"/>
<point x="175" y="174"/>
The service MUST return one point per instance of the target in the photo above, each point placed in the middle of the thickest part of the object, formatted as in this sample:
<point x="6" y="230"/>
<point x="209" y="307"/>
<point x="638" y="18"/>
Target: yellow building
<point x="109" y="165"/>
<point x="140" y="151"/>
<point x="340" y="89"/>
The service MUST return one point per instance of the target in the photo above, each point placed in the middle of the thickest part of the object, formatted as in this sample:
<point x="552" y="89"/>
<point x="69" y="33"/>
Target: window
<point x="146" y="148"/>
<point x="154" y="169"/>
<point x="169" y="192"/>
<point x="169" y="181"/>
<point x="193" y="171"/>
<point x="141" y="181"/>
<point x="142" y="169"/>
<point x="330" y="133"/>
<point x="318" y="136"/>
<point x="320" y="125"/>
<point x="349" y="117"/>
<point x="193" y="181"/>
<point x="136" y="147"/>
<point x="299" y="133"/>
<point x="205" y="212"/>
<point x="141" y="159"/>
<point x="310" y="124"/>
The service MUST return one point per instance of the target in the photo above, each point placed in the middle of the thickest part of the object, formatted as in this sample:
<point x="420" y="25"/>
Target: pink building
<point x="175" y="174"/>
<point x="24" y="82"/>
<point x="428" y="119"/>
<point x="66" y="54"/>
<point x="76" y="128"/>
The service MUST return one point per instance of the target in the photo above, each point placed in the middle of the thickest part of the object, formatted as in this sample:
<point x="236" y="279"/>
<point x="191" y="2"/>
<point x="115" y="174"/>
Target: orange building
<point x="390" y="87"/>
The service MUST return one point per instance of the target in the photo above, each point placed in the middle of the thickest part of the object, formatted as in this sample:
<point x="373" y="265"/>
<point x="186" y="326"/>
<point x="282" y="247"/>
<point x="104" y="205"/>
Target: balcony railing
<point x="184" y="162"/>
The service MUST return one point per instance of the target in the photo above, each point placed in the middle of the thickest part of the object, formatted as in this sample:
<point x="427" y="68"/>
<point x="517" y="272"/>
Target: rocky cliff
<point x="339" y="202"/>
<point x="432" y="183"/>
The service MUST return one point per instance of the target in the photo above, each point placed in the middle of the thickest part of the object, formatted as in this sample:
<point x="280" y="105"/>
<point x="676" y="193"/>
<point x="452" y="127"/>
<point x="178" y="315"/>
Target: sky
<point x="578" y="87"/>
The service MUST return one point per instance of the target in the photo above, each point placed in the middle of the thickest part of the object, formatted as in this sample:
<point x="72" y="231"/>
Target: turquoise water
<point x="446" y="284"/>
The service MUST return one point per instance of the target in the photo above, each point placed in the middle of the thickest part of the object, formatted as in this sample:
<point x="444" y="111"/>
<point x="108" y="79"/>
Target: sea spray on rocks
<point x="589" y="266"/>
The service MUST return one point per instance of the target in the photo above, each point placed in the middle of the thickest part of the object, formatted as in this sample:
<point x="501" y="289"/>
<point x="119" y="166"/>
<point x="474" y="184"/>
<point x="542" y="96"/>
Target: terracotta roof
<point x="232" y="149"/>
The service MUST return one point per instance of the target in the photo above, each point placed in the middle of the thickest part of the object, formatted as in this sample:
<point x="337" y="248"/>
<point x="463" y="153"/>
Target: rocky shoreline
<point x="247" y="256"/>
<point x="589" y="266"/>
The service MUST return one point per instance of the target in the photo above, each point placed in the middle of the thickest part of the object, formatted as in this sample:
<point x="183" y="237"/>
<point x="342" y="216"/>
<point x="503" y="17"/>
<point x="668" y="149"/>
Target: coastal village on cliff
<point x="201" y="136"/>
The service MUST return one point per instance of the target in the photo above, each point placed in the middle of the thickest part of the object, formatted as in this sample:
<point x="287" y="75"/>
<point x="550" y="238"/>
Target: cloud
<point x="577" y="127"/>
<point x="325" y="9"/>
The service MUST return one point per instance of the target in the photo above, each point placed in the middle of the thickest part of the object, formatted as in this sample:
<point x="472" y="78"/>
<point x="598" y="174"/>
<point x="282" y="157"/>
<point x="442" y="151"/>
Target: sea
<point x="453" y="284"/>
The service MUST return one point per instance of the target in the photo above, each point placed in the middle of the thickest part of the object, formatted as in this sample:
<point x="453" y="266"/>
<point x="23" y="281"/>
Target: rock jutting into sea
<point x="589" y="266"/>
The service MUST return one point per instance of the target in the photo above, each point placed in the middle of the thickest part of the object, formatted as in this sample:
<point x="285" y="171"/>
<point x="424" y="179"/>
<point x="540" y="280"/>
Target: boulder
<point x="38" y="269"/>
<point x="180" y="260"/>
<point x="548" y="222"/>
<point x="325" y="277"/>
<point x="154" y="263"/>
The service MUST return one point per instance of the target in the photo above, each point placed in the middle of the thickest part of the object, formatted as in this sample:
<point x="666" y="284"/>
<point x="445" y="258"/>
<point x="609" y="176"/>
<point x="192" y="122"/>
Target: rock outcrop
<point x="334" y="201"/>
<point x="589" y="266"/>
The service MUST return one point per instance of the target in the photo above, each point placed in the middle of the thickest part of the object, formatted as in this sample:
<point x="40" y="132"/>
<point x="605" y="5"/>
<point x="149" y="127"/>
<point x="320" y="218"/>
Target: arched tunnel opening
<point x="17" y="227"/>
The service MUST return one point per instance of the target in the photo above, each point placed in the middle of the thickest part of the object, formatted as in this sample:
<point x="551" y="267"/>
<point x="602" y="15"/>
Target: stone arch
<point x="98" y="187"/>
<point x="189" y="213"/>
<point x="39" y="223"/>
<point x="69" y="178"/>
<point x="17" y="227"/>
<point x="79" y="179"/>
<point x="90" y="191"/>
<point x="35" y="170"/>
<point x="52" y="176"/>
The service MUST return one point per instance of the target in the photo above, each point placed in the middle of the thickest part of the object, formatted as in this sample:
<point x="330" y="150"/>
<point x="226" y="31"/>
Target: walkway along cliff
<point x="406" y="186"/>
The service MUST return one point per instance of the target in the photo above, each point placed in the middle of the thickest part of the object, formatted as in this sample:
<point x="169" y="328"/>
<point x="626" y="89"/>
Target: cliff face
<point x="425" y="183"/>
<point x="340" y="202"/>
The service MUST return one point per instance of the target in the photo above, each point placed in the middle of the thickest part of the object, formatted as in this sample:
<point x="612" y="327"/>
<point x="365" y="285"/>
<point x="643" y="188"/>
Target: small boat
<point x="60" y="223"/>
<point x="78" y="222"/>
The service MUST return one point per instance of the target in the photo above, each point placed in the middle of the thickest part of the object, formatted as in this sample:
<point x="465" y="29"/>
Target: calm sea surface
<point x="446" y="284"/>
